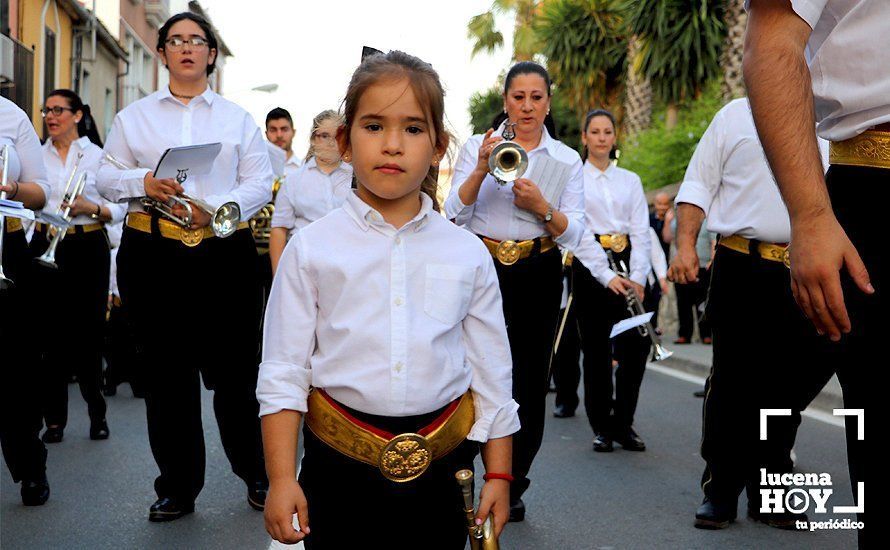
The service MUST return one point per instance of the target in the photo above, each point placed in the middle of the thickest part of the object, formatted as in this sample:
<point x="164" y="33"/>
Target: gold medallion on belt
<point x="405" y="457"/>
<point x="191" y="237"/>
<point x="508" y="252"/>
<point x="618" y="242"/>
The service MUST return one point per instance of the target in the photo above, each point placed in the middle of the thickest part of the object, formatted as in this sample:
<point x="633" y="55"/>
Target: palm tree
<point x="680" y="47"/>
<point x="736" y="19"/>
<point x="637" y="94"/>
<point x="585" y="44"/>
<point x="486" y="38"/>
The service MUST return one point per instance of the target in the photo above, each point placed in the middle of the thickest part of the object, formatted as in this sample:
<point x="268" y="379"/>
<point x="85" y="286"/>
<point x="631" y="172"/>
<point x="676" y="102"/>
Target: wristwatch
<point x="549" y="215"/>
<point x="95" y="215"/>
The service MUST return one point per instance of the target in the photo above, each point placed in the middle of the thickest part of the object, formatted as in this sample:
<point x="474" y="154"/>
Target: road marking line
<point x="815" y="414"/>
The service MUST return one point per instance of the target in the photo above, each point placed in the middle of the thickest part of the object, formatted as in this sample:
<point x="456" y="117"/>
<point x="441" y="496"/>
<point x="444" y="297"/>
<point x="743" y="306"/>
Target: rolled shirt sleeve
<point x="255" y="177"/>
<point x="640" y="252"/>
<point x="456" y="210"/>
<point x="114" y="183"/>
<point x="704" y="173"/>
<point x="488" y="354"/>
<point x="590" y="252"/>
<point x="571" y="204"/>
<point x="285" y="214"/>
<point x="288" y="335"/>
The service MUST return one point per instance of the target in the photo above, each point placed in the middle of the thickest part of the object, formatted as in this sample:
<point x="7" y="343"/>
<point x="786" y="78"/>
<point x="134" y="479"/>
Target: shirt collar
<point x="311" y="163"/>
<point x="81" y="143"/>
<point x="292" y="160"/>
<point x="208" y="96"/>
<point x="547" y="142"/>
<point x="596" y="172"/>
<point x="365" y="216"/>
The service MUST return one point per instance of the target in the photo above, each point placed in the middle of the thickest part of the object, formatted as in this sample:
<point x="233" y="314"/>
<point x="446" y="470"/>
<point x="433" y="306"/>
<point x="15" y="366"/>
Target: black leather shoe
<point x="256" y="495"/>
<point x="35" y="493"/>
<point x="169" y="509"/>
<point x="99" y="430"/>
<point x="784" y="520"/>
<point x="713" y="516"/>
<point x="561" y="411"/>
<point x="602" y="444"/>
<point x="517" y="511"/>
<point x="630" y="441"/>
<point x="53" y="434"/>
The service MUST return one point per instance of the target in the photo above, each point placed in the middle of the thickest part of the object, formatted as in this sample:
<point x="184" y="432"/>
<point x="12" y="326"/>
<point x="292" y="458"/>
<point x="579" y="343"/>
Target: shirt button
<point x="398" y="301"/>
<point x="398" y="367"/>
<point x="398" y="240"/>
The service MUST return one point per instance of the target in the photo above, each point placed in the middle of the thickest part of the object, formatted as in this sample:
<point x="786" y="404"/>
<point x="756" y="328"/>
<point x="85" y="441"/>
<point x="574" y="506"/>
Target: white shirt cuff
<point x="282" y="386"/>
<point x="494" y="424"/>
<point x="604" y="276"/>
<point x="695" y="193"/>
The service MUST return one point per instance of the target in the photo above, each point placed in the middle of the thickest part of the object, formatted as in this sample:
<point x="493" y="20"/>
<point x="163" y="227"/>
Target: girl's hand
<point x="81" y="206"/>
<point x="494" y="499"/>
<point x="285" y="499"/>
<point x="529" y="197"/>
<point x="620" y="285"/>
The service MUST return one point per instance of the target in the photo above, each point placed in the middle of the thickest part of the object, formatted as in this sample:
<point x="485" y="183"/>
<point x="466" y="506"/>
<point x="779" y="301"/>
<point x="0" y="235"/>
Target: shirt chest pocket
<point x="448" y="292"/>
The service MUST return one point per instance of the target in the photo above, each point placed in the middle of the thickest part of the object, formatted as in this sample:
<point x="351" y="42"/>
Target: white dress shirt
<point x="393" y="322"/>
<point x="143" y="130"/>
<point x="25" y="158"/>
<point x="309" y="194"/>
<point x="851" y="85"/>
<point x="614" y="202"/>
<point x="495" y="216"/>
<point x="58" y="173"/>
<point x="291" y="165"/>
<point x="659" y="262"/>
<point x="729" y="178"/>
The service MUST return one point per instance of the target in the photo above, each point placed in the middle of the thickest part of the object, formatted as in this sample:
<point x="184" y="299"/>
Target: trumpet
<point x="482" y="537"/>
<point x="508" y="160"/>
<point x="635" y="307"/>
<point x="5" y="282"/>
<point x="223" y="220"/>
<point x="61" y="220"/>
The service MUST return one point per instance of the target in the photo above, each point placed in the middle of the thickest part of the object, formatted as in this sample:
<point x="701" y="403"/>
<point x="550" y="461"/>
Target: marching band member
<point x="20" y="415"/>
<point x="528" y="262"/>
<point x="75" y="286"/>
<point x="319" y="186"/>
<point x="192" y="296"/>
<point x="394" y="316"/>
<point x="765" y="354"/>
<point x="280" y="131"/>
<point x="617" y="215"/>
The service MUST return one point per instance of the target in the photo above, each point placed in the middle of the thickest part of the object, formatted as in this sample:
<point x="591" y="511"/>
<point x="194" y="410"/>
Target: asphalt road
<point x="101" y="491"/>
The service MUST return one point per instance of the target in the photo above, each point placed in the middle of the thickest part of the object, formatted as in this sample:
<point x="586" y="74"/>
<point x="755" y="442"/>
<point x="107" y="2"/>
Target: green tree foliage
<point x="486" y="38"/>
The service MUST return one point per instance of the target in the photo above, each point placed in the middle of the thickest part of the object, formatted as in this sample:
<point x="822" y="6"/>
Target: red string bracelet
<point x="492" y="475"/>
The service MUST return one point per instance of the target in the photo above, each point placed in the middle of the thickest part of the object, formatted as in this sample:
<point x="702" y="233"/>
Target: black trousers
<point x="21" y="420"/>
<point x="595" y="309"/>
<point x="690" y="297"/>
<point x="72" y="304"/>
<point x="122" y="357"/>
<point x="766" y="355"/>
<point x="195" y="315"/>
<point x="859" y="196"/>
<point x="652" y="301"/>
<point x="531" y="291"/>
<point x="351" y="503"/>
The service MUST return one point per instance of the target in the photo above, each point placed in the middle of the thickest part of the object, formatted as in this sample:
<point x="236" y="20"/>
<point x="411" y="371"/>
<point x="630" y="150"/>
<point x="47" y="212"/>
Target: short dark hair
<point x="201" y="22"/>
<point x="277" y="113"/>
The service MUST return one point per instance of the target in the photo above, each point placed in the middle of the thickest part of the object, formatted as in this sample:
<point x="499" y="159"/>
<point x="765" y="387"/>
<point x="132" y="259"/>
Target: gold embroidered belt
<point x="86" y="228"/>
<point x="401" y="457"/>
<point x="768" y="251"/>
<point x="171" y="230"/>
<point x="13" y="224"/>
<point x="510" y="252"/>
<point x="870" y="148"/>
<point x="615" y="242"/>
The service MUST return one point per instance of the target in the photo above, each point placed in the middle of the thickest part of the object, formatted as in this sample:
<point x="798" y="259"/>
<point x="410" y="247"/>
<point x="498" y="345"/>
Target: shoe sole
<point x="712" y="525"/>
<point x="161" y="517"/>
<point x="634" y="449"/>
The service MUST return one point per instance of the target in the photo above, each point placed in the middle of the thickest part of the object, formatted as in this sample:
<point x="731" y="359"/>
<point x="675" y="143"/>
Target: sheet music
<point x="551" y="177"/>
<point x="14" y="212"/>
<point x="181" y="163"/>
<point x="631" y="322"/>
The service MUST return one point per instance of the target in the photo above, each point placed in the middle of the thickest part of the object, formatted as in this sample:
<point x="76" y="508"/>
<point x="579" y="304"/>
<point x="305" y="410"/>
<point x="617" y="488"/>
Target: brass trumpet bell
<point x="508" y="160"/>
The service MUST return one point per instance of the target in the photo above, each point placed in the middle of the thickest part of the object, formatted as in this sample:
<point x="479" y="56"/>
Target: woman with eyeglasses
<point x="20" y="415"/>
<point x="73" y="283"/>
<point x="319" y="186"/>
<point x="192" y="296"/>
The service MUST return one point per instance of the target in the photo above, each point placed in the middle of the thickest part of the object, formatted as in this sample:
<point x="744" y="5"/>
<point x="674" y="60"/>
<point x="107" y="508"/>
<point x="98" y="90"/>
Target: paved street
<point x="579" y="500"/>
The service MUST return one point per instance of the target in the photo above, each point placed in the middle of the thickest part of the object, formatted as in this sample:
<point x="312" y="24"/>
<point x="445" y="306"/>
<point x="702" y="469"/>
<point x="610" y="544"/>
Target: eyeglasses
<point x="57" y="111"/>
<point x="176" y="43"/>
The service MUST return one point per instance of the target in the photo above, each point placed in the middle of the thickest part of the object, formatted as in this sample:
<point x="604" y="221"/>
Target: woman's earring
<point x="435" y="162"/>
<point x="346" y="157"/>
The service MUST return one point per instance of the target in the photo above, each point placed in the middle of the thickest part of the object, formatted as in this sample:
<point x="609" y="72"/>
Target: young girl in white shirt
<point x="385" y="319"/>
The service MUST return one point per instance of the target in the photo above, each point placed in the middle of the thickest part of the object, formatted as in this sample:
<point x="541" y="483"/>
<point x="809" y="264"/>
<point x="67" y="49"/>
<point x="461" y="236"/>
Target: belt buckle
<point x="191" y="237"/>
<point x="508" y="252"/>
<point x="405" y="457"/>
<point x="618" y="242"/>
<point x="786" y="257"/>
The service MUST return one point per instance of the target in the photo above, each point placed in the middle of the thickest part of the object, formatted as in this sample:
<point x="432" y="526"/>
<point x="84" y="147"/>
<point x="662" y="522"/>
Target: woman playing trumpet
<point x="527" y="259"/>
<point x="193" y="296"/>
<point x="73" y="277"/>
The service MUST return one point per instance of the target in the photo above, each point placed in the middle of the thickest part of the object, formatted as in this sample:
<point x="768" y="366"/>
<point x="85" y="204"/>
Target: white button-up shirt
<point x="729" y="178"/>
<point x="25" y="158"/>
<point x="851" y="85"/>
<point x="148" y="127"/>
<point x="614" y="202"/>
<point x="309" y="194"/>
<point x="393" y="322"/>
<point x="495" y="216"/>
<point x="291" y="165"/>
<point x="58" y="173"/>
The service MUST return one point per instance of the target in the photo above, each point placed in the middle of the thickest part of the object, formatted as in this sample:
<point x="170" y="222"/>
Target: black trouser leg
<point x="701" y="300"/>
<point x="686" y="300"/>
<point x="652" y="301"/>
<point x="631" y="351"/>
<point x="594" y="313"/>
<point x="567" y="363"/>
<point x="20" y="410"/>
<point x="531" y="292"/>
